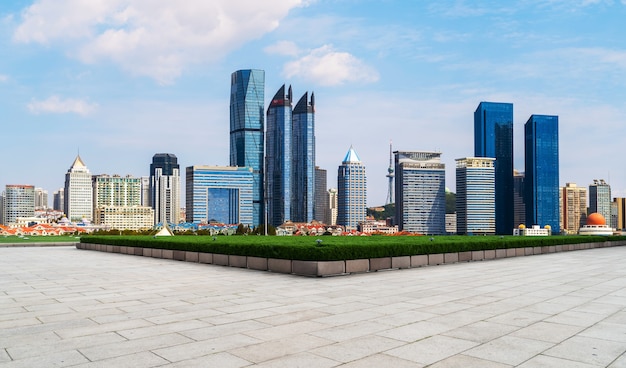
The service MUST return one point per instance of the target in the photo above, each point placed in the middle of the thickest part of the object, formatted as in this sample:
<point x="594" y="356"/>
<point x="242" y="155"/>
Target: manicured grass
<point x="330" y="248"/>
<point x="38" y="239"/>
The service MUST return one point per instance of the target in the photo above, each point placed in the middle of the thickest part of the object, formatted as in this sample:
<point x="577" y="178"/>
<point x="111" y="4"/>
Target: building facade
<point x="475" y="196"/>
<point x="573" y="203"/>
<point x="420" y="192"/>
<point x="493" y="137"/>
<point x="222" y="194"/>
<point x="320" y="210"/>
<point x="332" y="211"/>
<point x="78" y="192"/>
<point x="519" y="205"/>
<point x="278" y="156"/>
<point x="134" y="218"/>
<point x="247" y="126"/>
<point x="18" y="202"/>
<point x="619" y="204"/>
<point x="41" y="199"/>
<point x="351" y="191"/>
<point x="303" y="160"/>
<point x="600" y="199"/>
<point x="58" y="199"/>
<point x="165" y="188"/>
<point x="541" y="148"/>
<point x="117" y="203"/>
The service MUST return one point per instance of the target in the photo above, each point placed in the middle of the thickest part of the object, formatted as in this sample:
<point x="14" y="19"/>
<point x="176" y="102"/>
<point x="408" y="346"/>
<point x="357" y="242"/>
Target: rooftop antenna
<point x="390" y="176"/>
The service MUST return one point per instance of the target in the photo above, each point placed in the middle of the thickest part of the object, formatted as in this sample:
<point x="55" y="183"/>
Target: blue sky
<point x="120" y="80"/>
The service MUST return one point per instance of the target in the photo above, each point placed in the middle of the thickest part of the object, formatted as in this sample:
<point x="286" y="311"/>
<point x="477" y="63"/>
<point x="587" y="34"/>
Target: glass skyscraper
<point x="165" y="188"/>
<point x="303" y="160"/>
<point x="493" y="137"/>
<point x="247" y="114"/>
<point x="600" y="199"/>
<point x="278" y="172"/>
<point x="351" y="191"/>
<point x="219" y="193"/>
<point x="475" y="196"/>
<point x="541" y="148"/>
<point x="420" y="192"/>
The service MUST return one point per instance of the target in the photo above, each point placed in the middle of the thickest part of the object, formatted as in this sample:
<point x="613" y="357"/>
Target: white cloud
<point x="329" y="67"/>
<point x="58" y="105"/>
<point x="3" y="78"/>
<point x="154" y="38"/>
<point x="286" y="48"/>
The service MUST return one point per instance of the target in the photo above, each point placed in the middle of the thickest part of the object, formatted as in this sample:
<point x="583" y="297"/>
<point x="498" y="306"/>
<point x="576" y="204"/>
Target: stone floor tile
<point x="588" y="350"/>
<point x="358" y="348"/>
<point x="619" y="362"/>
<point x="465" y="361"/>
<point x="509" y="350"/>
<point x="481" y="332"/>
<point x="544" y="361"/>
<point x="200" y="348"/>
<point x="520" y="318"/>
<point x="432" y="349"/>
<point x="606" y="331"/>
<point x="415" y="331"/>
<point x="350" y="331"/>
<point x="211" y="332"/>
<point x="381" y="360"/>
<point x="133" y="346"/>
<point x="144" y="359"/>
<point x="300" y="360"/>
<point x="221" y="360"/>
<point x="270" y="350"/>
<point x="548" y="331"/>
<point x="60" y="359"/>
<point x="573" y="318"/>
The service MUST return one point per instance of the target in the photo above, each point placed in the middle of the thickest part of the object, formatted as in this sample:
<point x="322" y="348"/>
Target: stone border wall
<point x="39" y="244"/>
<point x="334" y="268"/>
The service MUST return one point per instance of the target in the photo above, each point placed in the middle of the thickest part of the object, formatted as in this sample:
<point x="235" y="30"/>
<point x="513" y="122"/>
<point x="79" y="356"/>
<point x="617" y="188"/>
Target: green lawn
<point x="37" y="239"/>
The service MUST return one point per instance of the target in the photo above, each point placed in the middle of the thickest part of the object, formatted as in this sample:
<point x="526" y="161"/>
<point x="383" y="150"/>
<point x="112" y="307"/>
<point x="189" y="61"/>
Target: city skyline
<point x="408" y="72"/>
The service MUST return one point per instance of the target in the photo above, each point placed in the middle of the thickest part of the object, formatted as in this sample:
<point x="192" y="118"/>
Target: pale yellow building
<point x="573" y="208"/>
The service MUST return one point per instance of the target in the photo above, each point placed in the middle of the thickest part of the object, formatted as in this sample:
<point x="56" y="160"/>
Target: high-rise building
<point x="600" y="199"/>
<point x="351" y="191"/>
<point x="58" y="199"/>
<point x="278" y="156"/>
<point x="41" y="199"/>
<point x="573" y="207"/>
<point x="475" y="196"/>
<point x="620" y="213"/>
<point x="493" y="137"/>
<point x="117" y="203"/>
<point x="321" y="196"/>
<point x="519" y="206"/>
<point x="542" y="171"/>
<point x="165" y="188"/>
<point x="420" y="192"/>
<point x="219" y="194"/>
<point x="303" y="160"/>
<point x="247" y="125"/>
<point x="78" y="192"/>
<point x="145" y="191"/>
<point x="333" y="202"/>
<point x="18" y="201"/>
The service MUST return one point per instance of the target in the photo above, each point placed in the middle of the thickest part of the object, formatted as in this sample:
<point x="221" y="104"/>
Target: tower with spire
<point x="390" y="176"/>
<point x="78" y="199"/>
<point x="351" y="191"/>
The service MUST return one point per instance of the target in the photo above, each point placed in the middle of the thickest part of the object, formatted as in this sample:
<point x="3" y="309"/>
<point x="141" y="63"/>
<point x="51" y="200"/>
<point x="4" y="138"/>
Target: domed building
<point x="596" y="225"/>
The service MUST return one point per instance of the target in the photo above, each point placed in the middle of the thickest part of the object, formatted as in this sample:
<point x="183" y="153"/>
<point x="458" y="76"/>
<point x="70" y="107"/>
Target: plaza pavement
<point x="64" y="307"/>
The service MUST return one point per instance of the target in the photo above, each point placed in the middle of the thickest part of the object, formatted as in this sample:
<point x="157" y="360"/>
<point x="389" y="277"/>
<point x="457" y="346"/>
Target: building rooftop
<point x="67" y="307"/>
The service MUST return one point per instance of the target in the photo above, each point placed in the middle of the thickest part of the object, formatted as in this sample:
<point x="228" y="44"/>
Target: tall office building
<point x="519" y="206"/>
<point x="420" y="192"/>
<point x="351" y="191"/>
<point x="247" y="113"/>
<point x="18" y="201"/>
<point x="600" y="199"/>
<point x="165" y="188"/>
<point x="41" y="199"/>
<point x="321" y="196"/>
<point x="278" y="156"/>
<point x="78" y="192"/>
<point x="475" y="196"/>
<point x="542" y="171"/>
<point x="303" y="160"/>
<point x="493" y="137"/>
<point x="145" y="191"/>
<point x="116" y="191"/>
<point x="573" y="207"/>
<point x="619" y="204"/>
<point x="58" y="197"/>
<point x="333" y="203"/>
<point x="219" y="194"/>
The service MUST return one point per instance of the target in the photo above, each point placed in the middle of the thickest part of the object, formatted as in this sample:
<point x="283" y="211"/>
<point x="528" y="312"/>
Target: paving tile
<point x="277" y="348"/>
<point x="301" y="360"/>
<point x="128" y="347"/>
<point x="619" y="362"/>
<point x="200" y="348"/>
<point x="415" y="331"/>
<point x="544" y="361"/>
<point x="60" y="359"/>
<point x="357" y="348"/>
<point x="140" y="360"/>
<point x="432" y="349"/>
<point x="465" y="361"/>
<point x="509" y="350"/>
<point x="481" y="331"/>
<point x="381" y="360"/>
<point x="588" y="350"/>
<point x="548" y="331"/>
<point x="351" y="331"/>
<point x="221" y="360"/>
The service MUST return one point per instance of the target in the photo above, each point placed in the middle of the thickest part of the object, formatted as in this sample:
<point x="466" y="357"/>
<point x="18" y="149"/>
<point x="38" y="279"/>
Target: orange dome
<point x="596" y="219"/>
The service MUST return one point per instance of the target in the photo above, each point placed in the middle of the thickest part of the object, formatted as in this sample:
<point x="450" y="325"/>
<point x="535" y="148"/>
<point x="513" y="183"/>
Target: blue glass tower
<point x="351" y="191"/>
<point x="303" y="160"/>
<point x="541" y="134"/>
<point x="493" y="137"/>
<point x="247" y="113"/>
<point x="475" y="196"/>
<point x="278" y="158"/>
<point x="218" y="193"/>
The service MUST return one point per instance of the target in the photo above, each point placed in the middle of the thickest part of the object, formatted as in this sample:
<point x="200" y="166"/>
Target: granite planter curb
<point x="419" y="260"/>
<point x="451" y="258"/>
<point x="206" y="258"/>
<point x="357" y="265"/>
<point x="377" y="264"/>
<point x="401" y="262"/>
<point x="257" y="263"/>
<point x="279" y="265"/>
<point x="318" y="268"/>
<point x="435" y="259"/>
<point x="220" y="259"/>
<point x="238" y="261"/>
